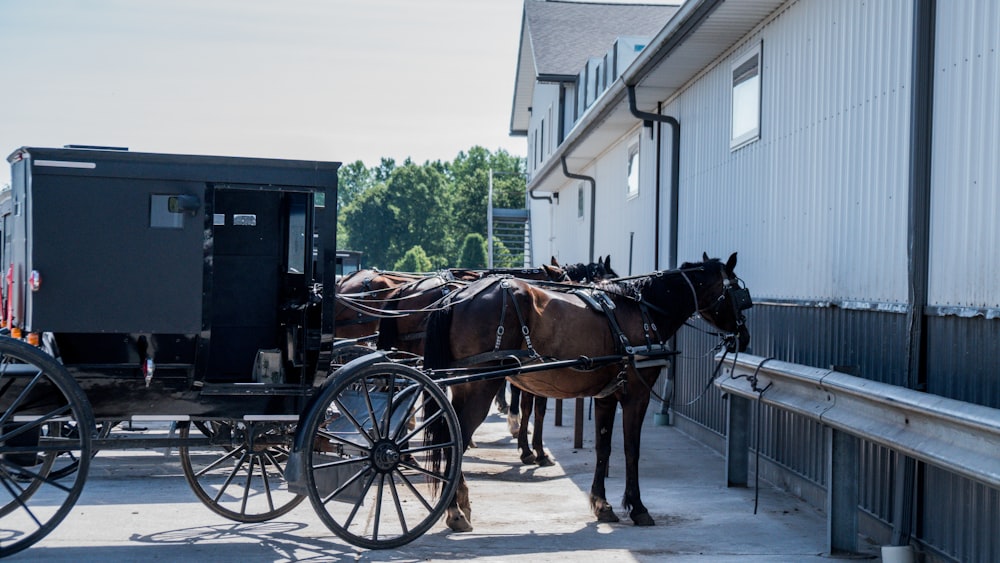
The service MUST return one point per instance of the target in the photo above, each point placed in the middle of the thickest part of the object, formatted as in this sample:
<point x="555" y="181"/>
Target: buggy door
<point x="246" y="267"/>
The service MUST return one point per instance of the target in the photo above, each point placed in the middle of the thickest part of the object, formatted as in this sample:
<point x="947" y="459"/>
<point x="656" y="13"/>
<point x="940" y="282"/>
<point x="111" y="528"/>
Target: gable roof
<point x="559" y="36"/>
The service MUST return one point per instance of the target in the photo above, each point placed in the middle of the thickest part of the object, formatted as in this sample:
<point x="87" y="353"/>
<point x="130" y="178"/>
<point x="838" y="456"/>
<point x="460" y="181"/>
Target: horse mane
<point x="627" y="288"/>
<point x="634" y="288"/>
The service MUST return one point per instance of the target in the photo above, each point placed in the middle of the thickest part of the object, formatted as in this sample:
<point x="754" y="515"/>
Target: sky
<point x="335" y="80"/>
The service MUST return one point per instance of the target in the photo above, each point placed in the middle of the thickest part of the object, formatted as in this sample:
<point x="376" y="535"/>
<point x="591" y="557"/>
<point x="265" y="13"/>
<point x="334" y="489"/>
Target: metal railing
<point x="960" y="437"/>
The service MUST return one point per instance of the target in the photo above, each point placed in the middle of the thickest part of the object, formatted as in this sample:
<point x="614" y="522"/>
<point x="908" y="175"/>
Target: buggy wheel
<point x="37" y="398"/>
<point x="345" y="353"/>
<point x="385" y="455"/>
<point x="67" y="462"/>
<point x="240" y="476"/>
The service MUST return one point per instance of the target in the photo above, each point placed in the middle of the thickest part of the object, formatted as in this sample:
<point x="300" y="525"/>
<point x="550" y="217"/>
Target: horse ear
<point x="554" y="261"/>
<point x="731" y="263"/>
<point x="704" y="257"/>
<point x="607" y="262"/>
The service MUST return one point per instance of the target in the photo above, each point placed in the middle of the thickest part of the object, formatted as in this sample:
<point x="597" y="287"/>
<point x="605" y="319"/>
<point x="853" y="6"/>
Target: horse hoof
<point x="460" y="524"/>
<point x="528" y="459"/>
<point x="643" y="519"/>
<point x="607" y="514"/>
<point x="545" y="461"/>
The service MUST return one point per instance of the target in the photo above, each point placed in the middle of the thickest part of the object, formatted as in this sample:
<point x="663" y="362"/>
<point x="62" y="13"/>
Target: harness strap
<point x="508" y="292"/>
<point x="496" y="355"/>
<point x="599" y="301"/>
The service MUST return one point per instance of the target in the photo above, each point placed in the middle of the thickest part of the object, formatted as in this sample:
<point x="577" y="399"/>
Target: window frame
<point x="750" y="89"/>
<point x="633" y="151"/>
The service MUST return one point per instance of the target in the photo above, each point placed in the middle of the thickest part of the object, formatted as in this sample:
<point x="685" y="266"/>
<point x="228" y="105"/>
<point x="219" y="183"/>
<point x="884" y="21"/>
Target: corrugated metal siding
<point x="961" y="518"/>
<point x="962" y="359"/>
<point x="695" y="366"/>
<point x="965" y="206"/>
<point x="817" y="206"/>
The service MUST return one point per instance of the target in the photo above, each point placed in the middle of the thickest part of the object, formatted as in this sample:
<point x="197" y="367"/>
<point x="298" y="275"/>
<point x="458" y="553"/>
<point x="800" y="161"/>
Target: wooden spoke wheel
<point x="39" y="400"/>
<point x="385" y="454"/>
<point x="241" y="474"/>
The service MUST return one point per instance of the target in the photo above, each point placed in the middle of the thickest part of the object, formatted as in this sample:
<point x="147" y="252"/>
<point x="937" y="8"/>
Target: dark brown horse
<point x="625" y="320"/>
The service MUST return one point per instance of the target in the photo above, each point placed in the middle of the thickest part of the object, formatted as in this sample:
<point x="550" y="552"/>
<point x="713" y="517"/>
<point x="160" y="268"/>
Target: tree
<point x="352" y="180"/>
<point x="423" y="203"/>
<point x="473" y="252"/>
<point x="385" y="210"/>
<point x="370" y="221"/>
<point x="415" y="260"/>
<point x="470" y="177"/>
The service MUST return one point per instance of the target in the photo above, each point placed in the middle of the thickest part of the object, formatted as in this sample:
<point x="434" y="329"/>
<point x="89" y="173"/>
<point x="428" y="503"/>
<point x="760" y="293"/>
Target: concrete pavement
<point x="137" y="506"/>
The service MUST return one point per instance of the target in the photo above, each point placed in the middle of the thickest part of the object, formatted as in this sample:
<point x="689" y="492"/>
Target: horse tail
<point x="437" y="354"/>
<point x="437" y="342"/>
<point x="388" y="333"/>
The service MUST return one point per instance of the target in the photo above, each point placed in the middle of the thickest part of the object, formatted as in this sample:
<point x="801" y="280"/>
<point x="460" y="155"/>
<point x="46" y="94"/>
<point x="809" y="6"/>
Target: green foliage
<point x="352" y="180"/>
<point x="470" y="179"/>
<point x="503" y="257"/>
<point x="389" y="209"/>
<point x="415" y="260"/>
<point x="473" y="252"/>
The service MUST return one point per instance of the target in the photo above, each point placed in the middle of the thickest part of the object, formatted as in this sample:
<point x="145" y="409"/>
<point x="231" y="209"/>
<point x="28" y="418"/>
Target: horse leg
<point x="513" y="415"/>
<point x="501" y="401"/>
<point x="536" y="441"/>
<point x="527" y="457"/>
<point x="459" y="512"/>
<point x="633" y="412"/>
<point x="472" y="403"/>
<point x="604" y="422"/>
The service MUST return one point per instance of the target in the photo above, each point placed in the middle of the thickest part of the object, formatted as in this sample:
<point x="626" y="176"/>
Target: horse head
<point x="586" y="273"/>
<point x="601" y="270"/>
<point x="721" y="298"/>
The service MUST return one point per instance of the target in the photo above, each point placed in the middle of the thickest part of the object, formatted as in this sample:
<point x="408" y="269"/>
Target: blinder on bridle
<point x="739" y="300"/>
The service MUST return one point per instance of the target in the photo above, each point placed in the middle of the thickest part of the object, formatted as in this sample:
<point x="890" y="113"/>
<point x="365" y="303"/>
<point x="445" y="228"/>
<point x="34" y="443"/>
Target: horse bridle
<point x="739" y="299"/>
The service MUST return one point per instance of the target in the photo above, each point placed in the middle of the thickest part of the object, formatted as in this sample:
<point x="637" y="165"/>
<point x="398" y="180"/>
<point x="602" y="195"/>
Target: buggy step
<point x="254" y="389"/>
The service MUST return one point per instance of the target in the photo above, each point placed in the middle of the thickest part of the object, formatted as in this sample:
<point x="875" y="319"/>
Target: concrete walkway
<point x="136" y="506"/>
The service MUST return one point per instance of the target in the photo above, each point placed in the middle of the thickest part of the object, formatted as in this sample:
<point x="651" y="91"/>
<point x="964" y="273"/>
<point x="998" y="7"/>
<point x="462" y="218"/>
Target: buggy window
<point x="297" y="234"/>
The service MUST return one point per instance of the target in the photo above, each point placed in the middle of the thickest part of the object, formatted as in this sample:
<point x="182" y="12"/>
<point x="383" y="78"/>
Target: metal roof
<point x="558" y="37"/>
<point x="700" y="32"/>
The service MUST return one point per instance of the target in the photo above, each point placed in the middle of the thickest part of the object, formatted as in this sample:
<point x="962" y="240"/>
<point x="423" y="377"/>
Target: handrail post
<point x="841" y="492"/>
<point x="738" y="441"/>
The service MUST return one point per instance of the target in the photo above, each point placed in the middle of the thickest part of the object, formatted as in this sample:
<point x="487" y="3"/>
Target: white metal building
<point x="847" y="149"/>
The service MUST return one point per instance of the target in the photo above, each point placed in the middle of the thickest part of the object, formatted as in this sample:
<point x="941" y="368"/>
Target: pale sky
<point x="339" y="80"/>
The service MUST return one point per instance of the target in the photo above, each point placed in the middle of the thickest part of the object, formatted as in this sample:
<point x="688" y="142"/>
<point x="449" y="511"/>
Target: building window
<point x="538" y="149"/>
<point x="544" y="146"/>
<point x="746" y="98"/>
<point x="632" y="170"/>
<point x="579" y="202"/>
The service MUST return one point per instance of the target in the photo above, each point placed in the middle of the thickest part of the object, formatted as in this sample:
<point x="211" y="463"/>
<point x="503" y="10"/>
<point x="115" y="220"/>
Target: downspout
<point x="663" y="417"/>
<point x="675" y="160"/>
<point x="593" y="200"/>
<point x="906" y="490"/>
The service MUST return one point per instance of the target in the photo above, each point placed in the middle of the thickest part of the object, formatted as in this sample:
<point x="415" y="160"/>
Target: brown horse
<point x="626" y="320"/>
<point x="359" y="298"/>
<point x="523" y="403"/>
<point x="405" y="311"/>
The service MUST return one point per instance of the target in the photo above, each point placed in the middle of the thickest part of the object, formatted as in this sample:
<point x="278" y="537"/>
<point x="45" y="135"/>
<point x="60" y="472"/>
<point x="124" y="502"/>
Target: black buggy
<point x="190" y="290"/>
